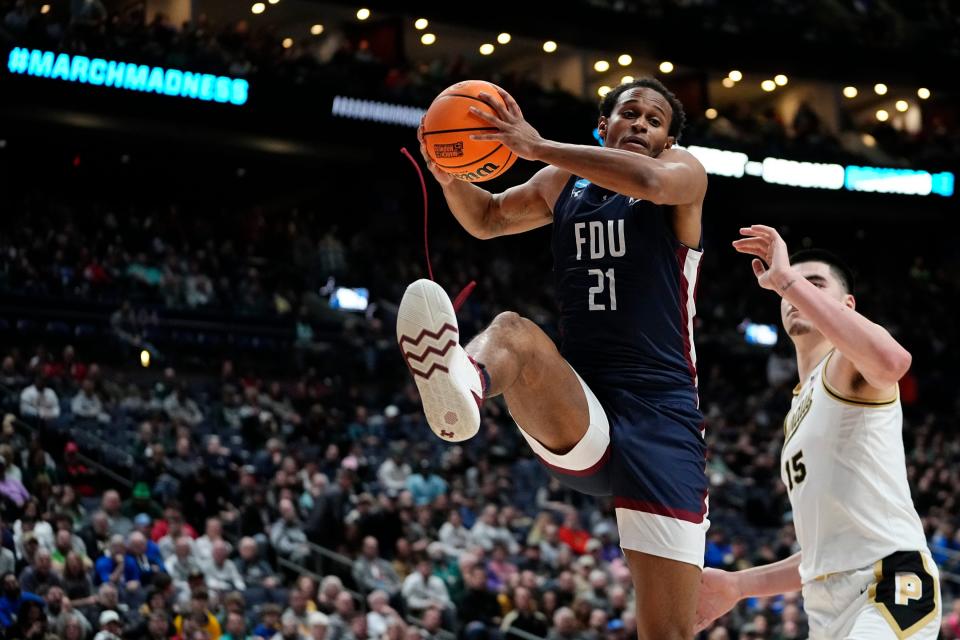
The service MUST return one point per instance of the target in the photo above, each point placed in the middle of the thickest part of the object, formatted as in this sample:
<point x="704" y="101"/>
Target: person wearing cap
<point x="110" y="626"/>
<point x="140" y="501"/>
<point x="318" y="624"/>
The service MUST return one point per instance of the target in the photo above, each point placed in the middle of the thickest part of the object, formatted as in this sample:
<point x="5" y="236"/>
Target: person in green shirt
<point x="236" y="628"/>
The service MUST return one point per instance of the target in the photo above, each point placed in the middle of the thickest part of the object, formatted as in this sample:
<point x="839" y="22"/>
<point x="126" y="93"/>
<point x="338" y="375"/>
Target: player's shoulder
<point x="682" y="155"/>
<point x="550" y="182"/>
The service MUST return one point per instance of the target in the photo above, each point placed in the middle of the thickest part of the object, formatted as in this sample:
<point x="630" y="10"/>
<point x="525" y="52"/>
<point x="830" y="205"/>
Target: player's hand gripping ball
<point x="448" y="125"/>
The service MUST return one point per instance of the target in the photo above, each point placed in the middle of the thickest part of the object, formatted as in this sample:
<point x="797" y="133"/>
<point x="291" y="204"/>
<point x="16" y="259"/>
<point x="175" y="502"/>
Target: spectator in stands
<point x="487" y="531"/>
<point x="109" y="567"/>
<point x="525" y="615"/>
<point x="453" y="535"/>
<point x="11" y="488"/>
<point x="269" y="621"/>
<point x="110" y="626"/>
<point x="96" y="535"/>
<point x="221" y="573"/>
<point x="343" y="614"/>
<point x="319" y="623"/>
<point x="40" y="575"/>
<point x="394" y="472"/>
<point x="287" y="535"/>
<point x="12" y="598"/>
<point x="381" y="614"/>
<point x="86" y="404"/>
<point x="77" y="583"/>
<point x="564" y="626"/>
<point x="39" y="401"/>
<point x="200" y="608"/>
<point x="111" y="505"/>
<point x="158" y="627"/>
<point x="253" y="570"/>
<point x="370" y="571"/>
<point x="425" y="485"/>
<point x="421" y="589"/>
<point x="297" y="611"/>
<point x="213" y="532"/>
<point x="142" y="563"/>
<point x="141" y="502"/>
<point x="8" y="563"/>
<point x="179" y="406"/>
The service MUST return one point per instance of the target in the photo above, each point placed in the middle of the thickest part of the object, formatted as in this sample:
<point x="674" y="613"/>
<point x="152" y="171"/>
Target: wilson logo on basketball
<point x="478" y="174"/>
<point x="454" y="150"/>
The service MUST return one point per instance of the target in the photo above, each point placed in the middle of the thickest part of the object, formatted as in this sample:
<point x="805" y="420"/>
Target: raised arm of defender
<point x="721" y="590"/>
<point x="867" y="349"/>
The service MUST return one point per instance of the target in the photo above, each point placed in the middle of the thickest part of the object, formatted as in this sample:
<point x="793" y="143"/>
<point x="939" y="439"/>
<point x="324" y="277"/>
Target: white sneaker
<point x="449" y="382"/>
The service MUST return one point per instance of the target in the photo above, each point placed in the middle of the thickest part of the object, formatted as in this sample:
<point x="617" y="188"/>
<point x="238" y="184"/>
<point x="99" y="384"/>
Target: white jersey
<point x="845" y="471"/>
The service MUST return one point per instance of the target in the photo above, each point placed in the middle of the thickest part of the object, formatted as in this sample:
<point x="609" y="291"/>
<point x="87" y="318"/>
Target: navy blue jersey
<point x="626" y="290"/>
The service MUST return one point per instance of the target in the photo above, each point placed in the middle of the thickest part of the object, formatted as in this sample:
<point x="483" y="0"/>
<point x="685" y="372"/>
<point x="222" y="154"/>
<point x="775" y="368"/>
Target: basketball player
<point x="863" y="563"/>
<point x="615" y="411"/>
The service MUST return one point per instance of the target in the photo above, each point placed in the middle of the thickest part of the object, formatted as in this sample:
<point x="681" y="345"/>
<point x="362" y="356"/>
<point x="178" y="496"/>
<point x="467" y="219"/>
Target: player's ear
<point x="671" y="140"/>
<point x="849" y="301"/>
<point x="602" y="128"/>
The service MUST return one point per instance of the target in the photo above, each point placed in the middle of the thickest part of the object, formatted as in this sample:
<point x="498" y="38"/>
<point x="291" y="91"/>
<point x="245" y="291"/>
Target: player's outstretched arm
<point x="866" y="347"/>
<point x="674" y="177"/>
<point x="721" y="590"/>
<point x="485" y="215"/>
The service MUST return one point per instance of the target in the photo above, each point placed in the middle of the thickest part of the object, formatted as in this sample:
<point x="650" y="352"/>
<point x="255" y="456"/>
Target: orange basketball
<point x="447" y="128"/>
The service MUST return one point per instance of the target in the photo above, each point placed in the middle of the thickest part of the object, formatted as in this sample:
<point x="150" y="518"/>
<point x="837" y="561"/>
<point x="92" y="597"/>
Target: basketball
<point x="447" y="128"/>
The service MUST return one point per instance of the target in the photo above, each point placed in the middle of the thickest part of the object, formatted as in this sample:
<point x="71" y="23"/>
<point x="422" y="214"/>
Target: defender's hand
<point x="442" y="176"/>
<point x="772" y="264"/>
<point x="718" y="594"/>
<point x="515" y="132"/>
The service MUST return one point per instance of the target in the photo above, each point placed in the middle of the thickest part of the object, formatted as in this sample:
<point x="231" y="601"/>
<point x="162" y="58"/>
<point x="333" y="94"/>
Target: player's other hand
<point x="719" y="592"/>
<point x="772" y="262"/>
<point x="442" y="176"/>
<point x="515" y="132"/>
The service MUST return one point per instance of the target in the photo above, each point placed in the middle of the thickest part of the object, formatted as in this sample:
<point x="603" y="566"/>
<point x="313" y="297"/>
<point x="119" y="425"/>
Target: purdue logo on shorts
<point x="454" y="150"/>
<point x="905" y="593"/>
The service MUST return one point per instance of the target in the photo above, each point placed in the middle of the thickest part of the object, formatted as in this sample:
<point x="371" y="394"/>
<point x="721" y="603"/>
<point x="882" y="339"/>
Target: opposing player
<point x="863" y="564"/>
<point x="615" y="411"/>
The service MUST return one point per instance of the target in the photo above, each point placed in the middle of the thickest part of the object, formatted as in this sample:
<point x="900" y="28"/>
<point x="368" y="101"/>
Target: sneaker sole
<point x="429" y="337"/>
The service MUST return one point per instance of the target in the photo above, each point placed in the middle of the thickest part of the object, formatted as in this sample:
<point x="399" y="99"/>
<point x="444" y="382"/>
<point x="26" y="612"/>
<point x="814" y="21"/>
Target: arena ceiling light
<point x="604" y="90"/>
<point x="45" y="9"/>
<point x="486" y="49"/>
<point x="729" y="83"/>
<point x="880" y="89"/>
<point x="421" y="23"/>
<point x="711" y="113"/>
<point x="287" y="43"/>
<point x="666" y="66"/>
<point x="428" y="39"/>
<point x="316" y="29"/>
<point x="626" y="79"/>
<point x="780" y="79"/>
<point x="735" y="75"/>
<point x="258" y="8"/>
<point x="625" y="60"/>
<point x="923" y="93"/>
<point x="601" y="65"/>
<point x="363" y="14"/>
<point x="768" y="85"/>
<point x="503" y="38"/>
<point x="549" y="46"/>
<point x="273" y="1"/>
<point x="868" y="140"/>
<point x="882" y="115"/>
<point x="902" y="105"/>
<point x="850" y="92"/>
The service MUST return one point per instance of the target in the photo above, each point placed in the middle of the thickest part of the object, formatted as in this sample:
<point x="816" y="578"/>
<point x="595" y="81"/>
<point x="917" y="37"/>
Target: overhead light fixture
<point x="729" y="83"/>
<point x="604" y="90"/>
<point x="850" y="92"/>
<point x="902" y="105"/>
<point x="45" y="9"/>
<point x="503" y="38"/>
<point x="923" y="93"/>
<point x="711" y="113"/>
<point x="421" y="24"/>
<point x="666" y="66"/>
<point x="258" y="8"/>
<point x="287" y="43"/>
<point x="625" y="59"/>
<point x="768" y="85"/>
<point x="428" y="39"/>
<point x="486" y="49"/>
<point x="273" y="1"/>
<point x="882" y="115"/>
<point x="735" y="75"/>
<point x="880" y="89"/>
<point x="363" y="14"/>
<point x="780" y="79"/>
<point x="601" y="66"/>
<point x="316" y="29"/>
<point x="549" y="46"/>
<point x="626" y="79"/>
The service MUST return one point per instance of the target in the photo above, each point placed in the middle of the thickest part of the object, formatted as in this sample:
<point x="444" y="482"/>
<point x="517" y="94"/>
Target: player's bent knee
<point x="513" y="328"/>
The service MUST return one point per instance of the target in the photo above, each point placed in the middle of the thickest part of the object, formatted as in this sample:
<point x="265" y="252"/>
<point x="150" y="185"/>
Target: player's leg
<point x="543" y="393"/>
<point x="667" y="592"/>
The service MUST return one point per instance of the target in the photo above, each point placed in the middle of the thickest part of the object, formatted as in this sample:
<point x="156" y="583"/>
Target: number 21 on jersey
<point x="596" y="240"/>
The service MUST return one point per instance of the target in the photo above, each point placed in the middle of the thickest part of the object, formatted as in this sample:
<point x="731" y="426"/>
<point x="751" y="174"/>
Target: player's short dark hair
<point x="838" y="267"/>
<point x="677" y="120"/>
